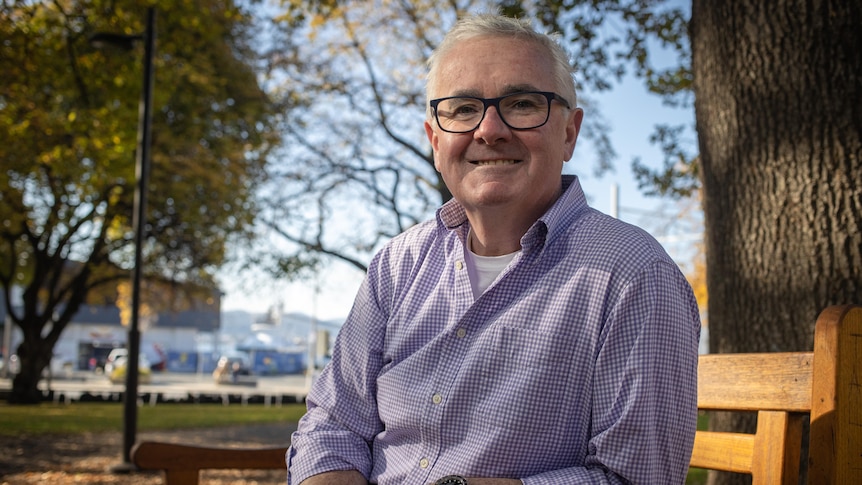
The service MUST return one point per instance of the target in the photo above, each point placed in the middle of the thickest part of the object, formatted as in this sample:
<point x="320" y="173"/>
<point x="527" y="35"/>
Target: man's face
<point x="494" y="166"/>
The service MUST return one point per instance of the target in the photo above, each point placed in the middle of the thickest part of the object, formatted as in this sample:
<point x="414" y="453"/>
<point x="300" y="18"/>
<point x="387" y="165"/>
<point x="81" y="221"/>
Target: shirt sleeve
<point x="342" y="419"/>
<point x="644" y="411"/>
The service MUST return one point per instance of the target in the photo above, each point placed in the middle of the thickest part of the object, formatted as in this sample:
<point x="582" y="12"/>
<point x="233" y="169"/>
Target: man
<point x="520" y="337"/>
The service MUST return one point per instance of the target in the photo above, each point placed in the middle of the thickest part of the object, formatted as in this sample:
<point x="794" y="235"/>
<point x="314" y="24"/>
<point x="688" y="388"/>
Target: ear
<point x="434" y="140"/>
<point x="573" y="128"/>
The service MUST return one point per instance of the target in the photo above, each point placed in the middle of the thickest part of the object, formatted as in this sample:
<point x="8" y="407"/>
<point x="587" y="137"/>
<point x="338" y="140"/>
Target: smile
<point x="487" y="163"/>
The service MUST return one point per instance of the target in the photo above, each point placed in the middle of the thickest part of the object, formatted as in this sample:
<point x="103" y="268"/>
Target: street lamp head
<point x="102" y="40"/>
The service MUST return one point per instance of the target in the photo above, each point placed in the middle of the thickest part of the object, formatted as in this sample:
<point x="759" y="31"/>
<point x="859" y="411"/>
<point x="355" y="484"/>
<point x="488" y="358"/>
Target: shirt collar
<point x="571" y="202"/>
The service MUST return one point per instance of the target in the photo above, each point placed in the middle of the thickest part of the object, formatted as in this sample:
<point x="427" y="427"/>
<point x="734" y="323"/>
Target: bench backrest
<point x="785" y="389"/>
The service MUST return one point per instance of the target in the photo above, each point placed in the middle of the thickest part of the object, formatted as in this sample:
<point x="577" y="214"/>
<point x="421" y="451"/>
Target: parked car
<point x="97" y="356"/>
<point x="118" y="372"/>
<point x="14" y="365"/>
<point x="60" y="367"/>
<point x="231" y="369"/>
<point x="57" y="368"/>
<point x="113" y="356"/>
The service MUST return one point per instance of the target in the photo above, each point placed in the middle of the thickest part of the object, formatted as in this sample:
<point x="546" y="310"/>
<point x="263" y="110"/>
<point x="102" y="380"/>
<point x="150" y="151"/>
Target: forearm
<point x="349" y="477"/>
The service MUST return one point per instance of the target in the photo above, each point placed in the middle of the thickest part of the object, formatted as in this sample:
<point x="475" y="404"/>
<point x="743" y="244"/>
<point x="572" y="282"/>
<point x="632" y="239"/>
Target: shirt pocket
<point x="524" y="379"/>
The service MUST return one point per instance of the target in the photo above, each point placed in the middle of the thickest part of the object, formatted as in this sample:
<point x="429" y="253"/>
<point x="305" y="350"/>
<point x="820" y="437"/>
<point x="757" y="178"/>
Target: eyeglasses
<point x="519" y="111"/>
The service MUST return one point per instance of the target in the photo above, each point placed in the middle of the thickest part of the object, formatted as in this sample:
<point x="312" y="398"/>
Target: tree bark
<point x="778" y="106"/>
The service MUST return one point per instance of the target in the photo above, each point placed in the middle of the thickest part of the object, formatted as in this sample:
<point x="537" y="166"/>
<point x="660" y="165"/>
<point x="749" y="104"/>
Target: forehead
<point x="493" y="66"/>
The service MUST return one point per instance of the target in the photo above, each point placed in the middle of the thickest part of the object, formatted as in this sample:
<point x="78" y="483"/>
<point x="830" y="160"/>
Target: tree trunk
<point x="778" y="105"/>
<point x="34" y="357"/>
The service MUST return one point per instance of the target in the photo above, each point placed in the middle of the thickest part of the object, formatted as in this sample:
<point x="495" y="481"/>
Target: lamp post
<point x="142" y="169"/>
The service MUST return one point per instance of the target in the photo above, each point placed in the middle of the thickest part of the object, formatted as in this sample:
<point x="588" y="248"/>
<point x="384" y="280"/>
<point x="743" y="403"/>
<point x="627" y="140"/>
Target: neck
<point x="497" y="230"/>
<point x="491" y="240"/>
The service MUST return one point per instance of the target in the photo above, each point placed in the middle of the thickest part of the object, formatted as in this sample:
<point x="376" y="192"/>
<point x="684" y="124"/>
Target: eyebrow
<point x="510" y="89"/>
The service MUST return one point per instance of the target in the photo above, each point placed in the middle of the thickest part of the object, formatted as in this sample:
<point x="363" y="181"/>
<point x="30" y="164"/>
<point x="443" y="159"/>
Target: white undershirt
<point x="483" y="270"/>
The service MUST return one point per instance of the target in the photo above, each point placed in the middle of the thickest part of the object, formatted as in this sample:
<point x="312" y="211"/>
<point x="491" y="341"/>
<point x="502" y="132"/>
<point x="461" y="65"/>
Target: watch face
<point x="451" y="480"/>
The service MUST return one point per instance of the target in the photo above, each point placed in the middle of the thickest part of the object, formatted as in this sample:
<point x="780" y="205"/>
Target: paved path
<point x="168" y="386"/>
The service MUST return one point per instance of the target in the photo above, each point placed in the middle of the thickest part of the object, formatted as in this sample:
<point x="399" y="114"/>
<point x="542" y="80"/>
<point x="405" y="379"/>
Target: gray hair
<point x="487" y="25"/>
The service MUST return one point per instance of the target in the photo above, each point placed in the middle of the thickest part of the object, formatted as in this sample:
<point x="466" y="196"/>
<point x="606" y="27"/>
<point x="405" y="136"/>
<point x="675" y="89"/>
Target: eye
<point x="464" y="107"/>
<point x="525" y="102"/>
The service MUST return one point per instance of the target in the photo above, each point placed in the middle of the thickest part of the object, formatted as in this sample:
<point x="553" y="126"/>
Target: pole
<point x="7" y="343"/>
<point x="142" y="169"/>
<point x="311" y="368"/>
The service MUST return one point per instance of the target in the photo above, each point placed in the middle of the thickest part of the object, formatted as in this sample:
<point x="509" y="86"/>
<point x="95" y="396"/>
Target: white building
<point x="170" y="339"/>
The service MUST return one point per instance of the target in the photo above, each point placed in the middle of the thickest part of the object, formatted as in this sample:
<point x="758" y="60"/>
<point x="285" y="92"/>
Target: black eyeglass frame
<point x="495" y="102"/>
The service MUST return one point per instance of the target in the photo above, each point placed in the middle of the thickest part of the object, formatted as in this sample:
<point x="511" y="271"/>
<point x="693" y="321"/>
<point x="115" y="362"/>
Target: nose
<point x="492" y="128"/>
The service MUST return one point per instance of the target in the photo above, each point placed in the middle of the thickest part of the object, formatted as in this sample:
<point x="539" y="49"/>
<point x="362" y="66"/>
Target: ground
<point x="88" y="458"/>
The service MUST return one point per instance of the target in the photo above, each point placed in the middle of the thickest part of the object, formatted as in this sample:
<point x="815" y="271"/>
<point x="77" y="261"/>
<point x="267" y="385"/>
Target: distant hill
<point x="237" y="324"/>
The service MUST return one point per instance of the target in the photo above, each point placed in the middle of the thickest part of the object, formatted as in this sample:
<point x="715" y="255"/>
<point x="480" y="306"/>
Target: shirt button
<point x="423" y="463"/>
<point x="437" y="399"/>
<point x="461" y="333"/>
<point x="459" y="265"/>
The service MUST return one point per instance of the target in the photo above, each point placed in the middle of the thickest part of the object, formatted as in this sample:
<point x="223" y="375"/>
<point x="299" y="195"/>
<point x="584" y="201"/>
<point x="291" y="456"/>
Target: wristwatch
<point x="452" y="480"/>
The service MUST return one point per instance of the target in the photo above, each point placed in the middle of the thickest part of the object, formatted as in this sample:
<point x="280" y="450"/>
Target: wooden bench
<point x="182" y="463"/>
<point x="784" y="389"/>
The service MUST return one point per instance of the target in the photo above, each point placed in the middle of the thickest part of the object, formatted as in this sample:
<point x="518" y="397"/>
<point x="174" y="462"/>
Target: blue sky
<point x="632" y="114"/>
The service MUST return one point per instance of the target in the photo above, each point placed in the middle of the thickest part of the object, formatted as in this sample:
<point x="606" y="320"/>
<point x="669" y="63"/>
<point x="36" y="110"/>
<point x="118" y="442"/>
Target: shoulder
<point x="605" y="239"/>
<point x="411" y="243"/>
<point x="583" y="231"/>
<point x="425" y="245"/>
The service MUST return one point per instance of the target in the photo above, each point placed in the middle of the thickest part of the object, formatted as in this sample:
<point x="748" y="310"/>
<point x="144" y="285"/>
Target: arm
<point x="350" y="477"/>
<point x="644" y="403"/>
<point x="654" y="329"/>
<point x="342" y="420"/>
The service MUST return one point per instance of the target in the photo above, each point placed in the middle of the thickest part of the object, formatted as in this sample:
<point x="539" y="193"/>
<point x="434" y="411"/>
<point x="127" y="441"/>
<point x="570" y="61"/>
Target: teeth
<point x="494" y="162"/>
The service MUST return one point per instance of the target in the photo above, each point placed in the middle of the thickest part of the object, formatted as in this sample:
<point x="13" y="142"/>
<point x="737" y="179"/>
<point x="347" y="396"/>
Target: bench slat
<point x="171" y="456"/>
<point x="723" y="451"/>
<point x="750" y="382"/>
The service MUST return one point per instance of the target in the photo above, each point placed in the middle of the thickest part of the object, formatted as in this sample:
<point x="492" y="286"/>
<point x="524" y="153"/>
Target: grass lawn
<point x="696" y="476"/>
<point x="47" y="418"/>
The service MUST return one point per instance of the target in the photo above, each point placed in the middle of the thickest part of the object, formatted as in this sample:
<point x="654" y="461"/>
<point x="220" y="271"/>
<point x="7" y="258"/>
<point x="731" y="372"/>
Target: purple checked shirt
<point x="577" y="365"/>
